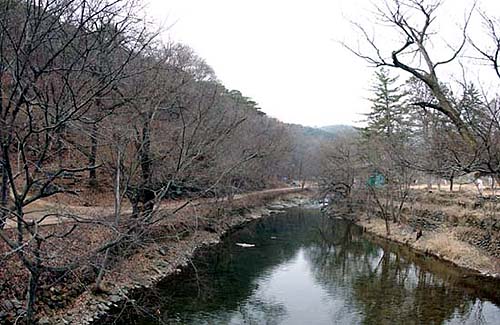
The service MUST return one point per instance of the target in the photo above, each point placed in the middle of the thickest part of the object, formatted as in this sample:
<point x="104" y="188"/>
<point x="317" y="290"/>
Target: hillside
<point x="337" y="128"/>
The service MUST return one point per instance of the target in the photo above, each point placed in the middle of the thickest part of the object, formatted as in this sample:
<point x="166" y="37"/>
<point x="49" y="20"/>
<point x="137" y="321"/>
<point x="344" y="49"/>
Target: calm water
<point x="306" y="269"/>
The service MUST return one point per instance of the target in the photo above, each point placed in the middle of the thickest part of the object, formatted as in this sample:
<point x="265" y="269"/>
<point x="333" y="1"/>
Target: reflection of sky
<point x="292" y="286"/>
<point x="293" y="293"/>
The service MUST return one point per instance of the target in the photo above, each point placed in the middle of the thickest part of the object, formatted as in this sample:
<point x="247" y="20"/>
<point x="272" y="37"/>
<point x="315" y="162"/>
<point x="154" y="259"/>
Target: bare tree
<point x="490" y="53"/>
<point x="342" y="172"/>
<point x="50" y="78"/>
<point x="413" y="21"/>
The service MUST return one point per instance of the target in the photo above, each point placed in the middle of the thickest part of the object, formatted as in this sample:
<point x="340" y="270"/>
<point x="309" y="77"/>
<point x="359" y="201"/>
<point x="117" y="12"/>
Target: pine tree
<point x="389" y="114"/>
<point x="471" y="108"/>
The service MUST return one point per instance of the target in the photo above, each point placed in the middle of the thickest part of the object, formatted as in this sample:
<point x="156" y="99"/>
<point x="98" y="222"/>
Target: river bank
<point x="455" y="227"/>
<point x="166" y="256"/>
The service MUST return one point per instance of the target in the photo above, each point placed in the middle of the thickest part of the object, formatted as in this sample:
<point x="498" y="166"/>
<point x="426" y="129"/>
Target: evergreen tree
<point x="472" y="109"/>
<point x="389" y="114"/>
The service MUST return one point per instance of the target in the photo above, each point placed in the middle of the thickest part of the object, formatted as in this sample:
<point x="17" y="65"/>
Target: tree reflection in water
<point x="385" y="286"/>
<point x="304" y="253"/>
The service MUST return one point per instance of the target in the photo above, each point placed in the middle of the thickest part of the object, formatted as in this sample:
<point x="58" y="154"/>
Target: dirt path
<point x="53" y="213"/>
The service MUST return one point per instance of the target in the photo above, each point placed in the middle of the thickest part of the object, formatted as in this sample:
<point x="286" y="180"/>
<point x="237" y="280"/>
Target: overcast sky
<point x="284" y="53"/>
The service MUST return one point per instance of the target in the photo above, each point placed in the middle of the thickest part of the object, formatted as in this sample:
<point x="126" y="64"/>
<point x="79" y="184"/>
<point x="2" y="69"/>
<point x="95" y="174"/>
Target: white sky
<point x="284" y="53"/>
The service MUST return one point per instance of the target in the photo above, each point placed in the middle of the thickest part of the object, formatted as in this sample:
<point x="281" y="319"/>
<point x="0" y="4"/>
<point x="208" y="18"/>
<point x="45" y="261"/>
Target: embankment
<point x="458" y="228"/>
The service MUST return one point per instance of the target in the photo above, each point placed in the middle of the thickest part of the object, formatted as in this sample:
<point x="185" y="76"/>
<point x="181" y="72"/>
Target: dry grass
<point x="444" y="245"/>
<point x="467" y="188"/>
<point x="441" y="243"/>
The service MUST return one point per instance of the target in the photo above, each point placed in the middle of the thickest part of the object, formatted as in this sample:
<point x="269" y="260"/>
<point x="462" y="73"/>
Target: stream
<point x="309" y="269"/>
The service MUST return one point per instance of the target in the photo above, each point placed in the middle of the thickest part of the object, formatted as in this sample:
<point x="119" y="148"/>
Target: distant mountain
<point x="321" y="133"/>
<point x="317" y="132"/>
<point x="339" y="128"/>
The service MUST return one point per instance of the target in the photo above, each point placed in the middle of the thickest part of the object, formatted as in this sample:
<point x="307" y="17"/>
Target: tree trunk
<point x="145" y="153"/>
<point x="93" y="157"/>
<point x="451" y="184"/>
<point x="118" y="197"/>
<point x="100" y="276"/>
<point x="392" y="208"/>
<point x="387" y="226"/>
<point x="31" y="296"/>
<point x="59" y="147"/>
<point x="35" y="271"/>
<point x="4" y="195"/>
<point x="5" y="187"/>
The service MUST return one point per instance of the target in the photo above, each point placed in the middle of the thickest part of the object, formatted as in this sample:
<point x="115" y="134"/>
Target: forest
<point x="96" y="111"/>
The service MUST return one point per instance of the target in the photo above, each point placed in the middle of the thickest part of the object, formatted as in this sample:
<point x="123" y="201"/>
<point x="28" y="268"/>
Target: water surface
<point x="308" y="269"/>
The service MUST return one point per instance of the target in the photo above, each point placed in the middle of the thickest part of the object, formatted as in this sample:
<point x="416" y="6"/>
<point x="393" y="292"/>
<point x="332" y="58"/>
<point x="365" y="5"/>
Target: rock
<point x="8" y="305"/>
<point x="17" y="304"/>
<point x="55" y="298"/>
<point x="162" y="264"/>
<point x="115" y="298"/>
<point x="103" y="307"/>
<point x="44" y="321"/>
<point x="12" y="304"/>
<point x="210" y="228"/>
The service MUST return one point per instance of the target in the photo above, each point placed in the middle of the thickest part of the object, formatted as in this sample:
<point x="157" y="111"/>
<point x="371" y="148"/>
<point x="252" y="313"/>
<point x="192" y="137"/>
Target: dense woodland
<point x="96" y="110"/>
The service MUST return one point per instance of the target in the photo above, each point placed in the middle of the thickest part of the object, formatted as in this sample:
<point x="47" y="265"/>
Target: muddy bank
<point x="166" y="257"/>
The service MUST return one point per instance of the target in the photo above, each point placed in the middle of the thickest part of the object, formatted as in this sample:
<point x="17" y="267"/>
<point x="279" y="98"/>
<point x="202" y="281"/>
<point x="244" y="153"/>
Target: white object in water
<point x="245" y="245"/>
